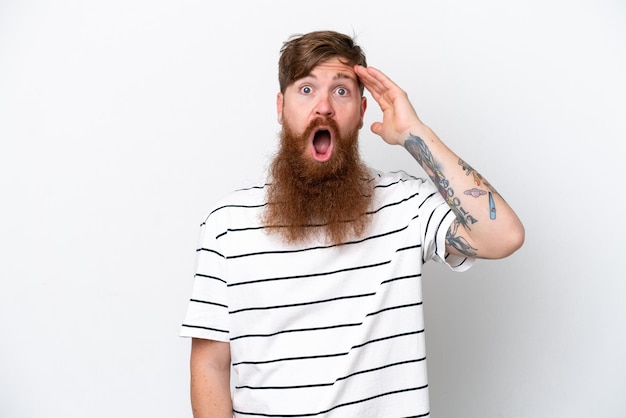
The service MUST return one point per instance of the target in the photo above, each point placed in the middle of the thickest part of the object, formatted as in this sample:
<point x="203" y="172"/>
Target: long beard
<point x="306" y="197"/>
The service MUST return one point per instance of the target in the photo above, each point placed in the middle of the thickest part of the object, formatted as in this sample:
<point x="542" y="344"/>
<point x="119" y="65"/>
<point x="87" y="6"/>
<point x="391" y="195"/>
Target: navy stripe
<point x="318" y="247"/>
<point x="339" y="379"/>
<point x="206" y="276"/>
<point x="393" y="279"/>
<point x="411" y="247"/>
<point x="439" y="227"/>
<point x="399" y="202"/>
<point x="318" y="356"/>
<point x="293" y="305"/>
<point x="303" y="276"/>
<point x="230" y="206"/>
<point x="207" y="328"/>
<point x="288" y="331"/>
<point x="329" y="327"/>
<point x="209" y="303"/>
<point x="393" y="308"/>
<point x="404" y="334"/>
<point x="411" y="178"/>
<point x="341" y="405"/>
<point x="210" y="251"/>
<point x="250" y="228"/>
<point x="427" y="199"/>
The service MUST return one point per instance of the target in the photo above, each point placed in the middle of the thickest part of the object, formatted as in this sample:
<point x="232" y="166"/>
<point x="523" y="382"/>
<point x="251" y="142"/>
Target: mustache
<point x="315" y="124"/>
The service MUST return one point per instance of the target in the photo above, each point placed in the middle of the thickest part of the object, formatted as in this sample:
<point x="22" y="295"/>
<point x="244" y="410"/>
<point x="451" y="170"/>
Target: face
<point x="318" y="182"/>
<point x="330" y="91"/>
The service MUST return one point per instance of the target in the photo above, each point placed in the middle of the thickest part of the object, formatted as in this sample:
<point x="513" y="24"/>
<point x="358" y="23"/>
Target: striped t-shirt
<point x="317" y="330"/>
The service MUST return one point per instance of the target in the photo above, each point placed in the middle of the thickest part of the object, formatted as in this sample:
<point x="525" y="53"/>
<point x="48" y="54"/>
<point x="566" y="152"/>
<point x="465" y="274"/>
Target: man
<point x="309" y="287"/>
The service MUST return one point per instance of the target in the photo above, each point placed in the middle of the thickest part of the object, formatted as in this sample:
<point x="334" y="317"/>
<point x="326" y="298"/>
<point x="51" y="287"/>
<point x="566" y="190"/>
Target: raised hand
<point x="399" y="116"/>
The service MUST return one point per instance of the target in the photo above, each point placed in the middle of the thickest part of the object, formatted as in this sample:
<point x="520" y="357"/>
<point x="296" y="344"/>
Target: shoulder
<point x="240" y="201"/>
<point x="396" y="180"/>
<point x="403" y="191"/>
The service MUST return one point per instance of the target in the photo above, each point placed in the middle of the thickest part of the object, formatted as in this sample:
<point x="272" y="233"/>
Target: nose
<point x="324" y="107"/>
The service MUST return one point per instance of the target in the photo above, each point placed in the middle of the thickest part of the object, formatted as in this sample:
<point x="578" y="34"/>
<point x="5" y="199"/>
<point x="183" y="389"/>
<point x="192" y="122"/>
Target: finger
<point x="371" y="83"/>
<point x="382" y="80"/>
<point x="376" y="127"/>
<point x="383" y="89"/>
<point x="374" y="78"/>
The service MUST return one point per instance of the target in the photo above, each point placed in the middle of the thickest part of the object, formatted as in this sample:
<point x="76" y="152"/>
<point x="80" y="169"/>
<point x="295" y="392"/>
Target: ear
<point x="279" y="107"/>
<point x="363" y="108"/>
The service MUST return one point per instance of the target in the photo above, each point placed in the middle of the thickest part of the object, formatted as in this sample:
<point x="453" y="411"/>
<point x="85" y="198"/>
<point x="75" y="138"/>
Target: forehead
<point x="333" y="69"/>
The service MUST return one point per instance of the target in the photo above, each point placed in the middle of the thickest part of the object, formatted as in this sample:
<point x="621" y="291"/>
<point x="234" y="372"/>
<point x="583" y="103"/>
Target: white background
<point x="121" y="122"/>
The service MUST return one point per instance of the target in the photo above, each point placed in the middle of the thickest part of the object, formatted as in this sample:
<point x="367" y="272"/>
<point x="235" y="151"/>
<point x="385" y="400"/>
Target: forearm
<point x="210" y="381"/>
<point x="485" y="225"/>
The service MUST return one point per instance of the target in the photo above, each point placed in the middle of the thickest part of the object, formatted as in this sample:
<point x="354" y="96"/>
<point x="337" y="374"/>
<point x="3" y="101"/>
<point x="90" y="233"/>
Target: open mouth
<point x="322" y="145"/>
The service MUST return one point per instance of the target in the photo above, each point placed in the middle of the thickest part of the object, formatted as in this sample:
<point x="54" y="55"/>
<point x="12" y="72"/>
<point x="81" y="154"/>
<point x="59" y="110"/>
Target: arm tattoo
<point x="475" y="192"/>
<point x="419" y="150"/>
<point x="479" y="180"/>
<point x="492" y="207"/>
<point x="459" y="243"/>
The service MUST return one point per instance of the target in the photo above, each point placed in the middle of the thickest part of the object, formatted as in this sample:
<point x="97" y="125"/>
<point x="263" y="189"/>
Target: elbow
<point x="511" y="241"/>
<point x="517" y="239"/>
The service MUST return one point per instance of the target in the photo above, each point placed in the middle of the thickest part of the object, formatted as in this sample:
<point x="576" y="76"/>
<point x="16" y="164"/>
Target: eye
<point x="342" y="91"/>
<point x="306" y="90"/>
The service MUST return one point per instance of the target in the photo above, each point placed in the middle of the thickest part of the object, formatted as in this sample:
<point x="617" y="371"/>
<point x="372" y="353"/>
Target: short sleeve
<point x="437" y="217"/>
<point x="207" y="312"/>
<point x="455" y="262"/>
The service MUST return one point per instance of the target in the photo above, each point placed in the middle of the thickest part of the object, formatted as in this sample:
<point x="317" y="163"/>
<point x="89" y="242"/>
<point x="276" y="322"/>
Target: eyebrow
<point x="344" y="75"/>
<point x="340" y="75"/>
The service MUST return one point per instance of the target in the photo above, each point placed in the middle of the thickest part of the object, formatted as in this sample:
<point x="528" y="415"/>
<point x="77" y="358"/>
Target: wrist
<point x="417" y="131"/>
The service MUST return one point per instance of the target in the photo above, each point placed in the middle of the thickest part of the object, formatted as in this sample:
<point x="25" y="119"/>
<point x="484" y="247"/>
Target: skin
<point x="485" y="225"/>
<point x="210" y="379"/>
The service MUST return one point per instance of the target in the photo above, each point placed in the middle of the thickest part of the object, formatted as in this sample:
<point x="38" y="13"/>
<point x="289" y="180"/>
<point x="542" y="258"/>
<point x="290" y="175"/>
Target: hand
<point x="399" y="116"/>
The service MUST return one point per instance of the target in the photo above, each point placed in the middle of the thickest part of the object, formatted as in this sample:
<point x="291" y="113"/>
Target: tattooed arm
<point x="485" y="224"/>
